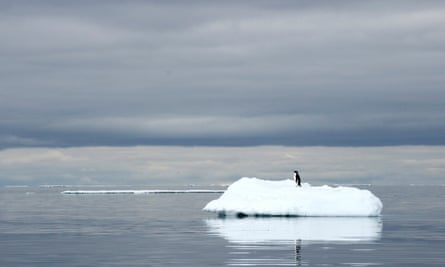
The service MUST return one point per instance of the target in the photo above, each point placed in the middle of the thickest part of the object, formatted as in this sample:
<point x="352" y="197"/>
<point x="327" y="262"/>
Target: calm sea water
<point x="41" y="227"/>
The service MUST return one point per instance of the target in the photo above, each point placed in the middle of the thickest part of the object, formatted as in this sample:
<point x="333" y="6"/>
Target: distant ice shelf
<point x="252" y="196"/>
<point x="139" y="192"/>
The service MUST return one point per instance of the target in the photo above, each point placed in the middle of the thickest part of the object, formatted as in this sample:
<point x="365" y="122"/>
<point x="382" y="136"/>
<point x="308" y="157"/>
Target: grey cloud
<point x="288" y="73"/>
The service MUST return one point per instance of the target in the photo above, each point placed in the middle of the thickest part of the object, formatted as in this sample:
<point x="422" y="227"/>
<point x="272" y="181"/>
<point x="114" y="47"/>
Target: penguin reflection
<point x="298" y="252"/>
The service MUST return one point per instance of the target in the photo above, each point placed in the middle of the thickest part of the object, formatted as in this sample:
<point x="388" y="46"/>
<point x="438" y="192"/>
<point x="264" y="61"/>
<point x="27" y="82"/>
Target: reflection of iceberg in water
<point x="272" y="240"/>
<point x="284" y="230"/>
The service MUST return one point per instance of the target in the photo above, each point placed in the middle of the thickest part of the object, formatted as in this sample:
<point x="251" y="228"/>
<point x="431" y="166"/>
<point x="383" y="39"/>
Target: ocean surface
<point x="39" y="226"/>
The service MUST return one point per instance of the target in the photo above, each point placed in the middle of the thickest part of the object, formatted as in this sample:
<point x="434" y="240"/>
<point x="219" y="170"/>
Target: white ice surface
<point x="156" y="191"/>
<point x="280" y="229"/>
<point x="252" y="196"/>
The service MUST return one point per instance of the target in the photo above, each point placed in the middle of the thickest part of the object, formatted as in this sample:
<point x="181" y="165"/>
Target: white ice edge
<point x="252" y="196"/>
<point x="136" y="192"/>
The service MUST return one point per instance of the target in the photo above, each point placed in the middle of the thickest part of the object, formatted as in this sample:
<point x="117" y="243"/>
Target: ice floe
<point x="136" y="192"/>
<point x="252" y="196"/>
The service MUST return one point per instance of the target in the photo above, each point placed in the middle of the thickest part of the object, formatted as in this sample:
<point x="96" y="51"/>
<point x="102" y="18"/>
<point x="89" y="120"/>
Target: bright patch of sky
<point x="169" y="165"/>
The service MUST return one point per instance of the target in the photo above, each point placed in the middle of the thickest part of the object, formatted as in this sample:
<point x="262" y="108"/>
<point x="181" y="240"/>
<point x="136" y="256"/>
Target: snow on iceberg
<point x="252" y="196"/>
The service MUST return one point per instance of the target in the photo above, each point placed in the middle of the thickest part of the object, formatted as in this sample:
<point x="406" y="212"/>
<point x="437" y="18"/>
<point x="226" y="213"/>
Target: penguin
<point x="297" y="178"/>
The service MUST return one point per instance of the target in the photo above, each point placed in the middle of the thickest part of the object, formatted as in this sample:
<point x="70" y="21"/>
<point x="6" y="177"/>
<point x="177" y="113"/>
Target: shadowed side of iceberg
<point x="252" y="196"/>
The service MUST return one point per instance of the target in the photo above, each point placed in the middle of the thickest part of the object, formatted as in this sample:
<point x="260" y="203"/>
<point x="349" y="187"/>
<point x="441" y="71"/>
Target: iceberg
<point x="252" y="196"/>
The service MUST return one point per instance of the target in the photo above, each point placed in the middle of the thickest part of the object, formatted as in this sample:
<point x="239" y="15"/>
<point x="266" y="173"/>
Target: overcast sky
<point x="355" y="73"/>
<point x="221" y="74"/>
